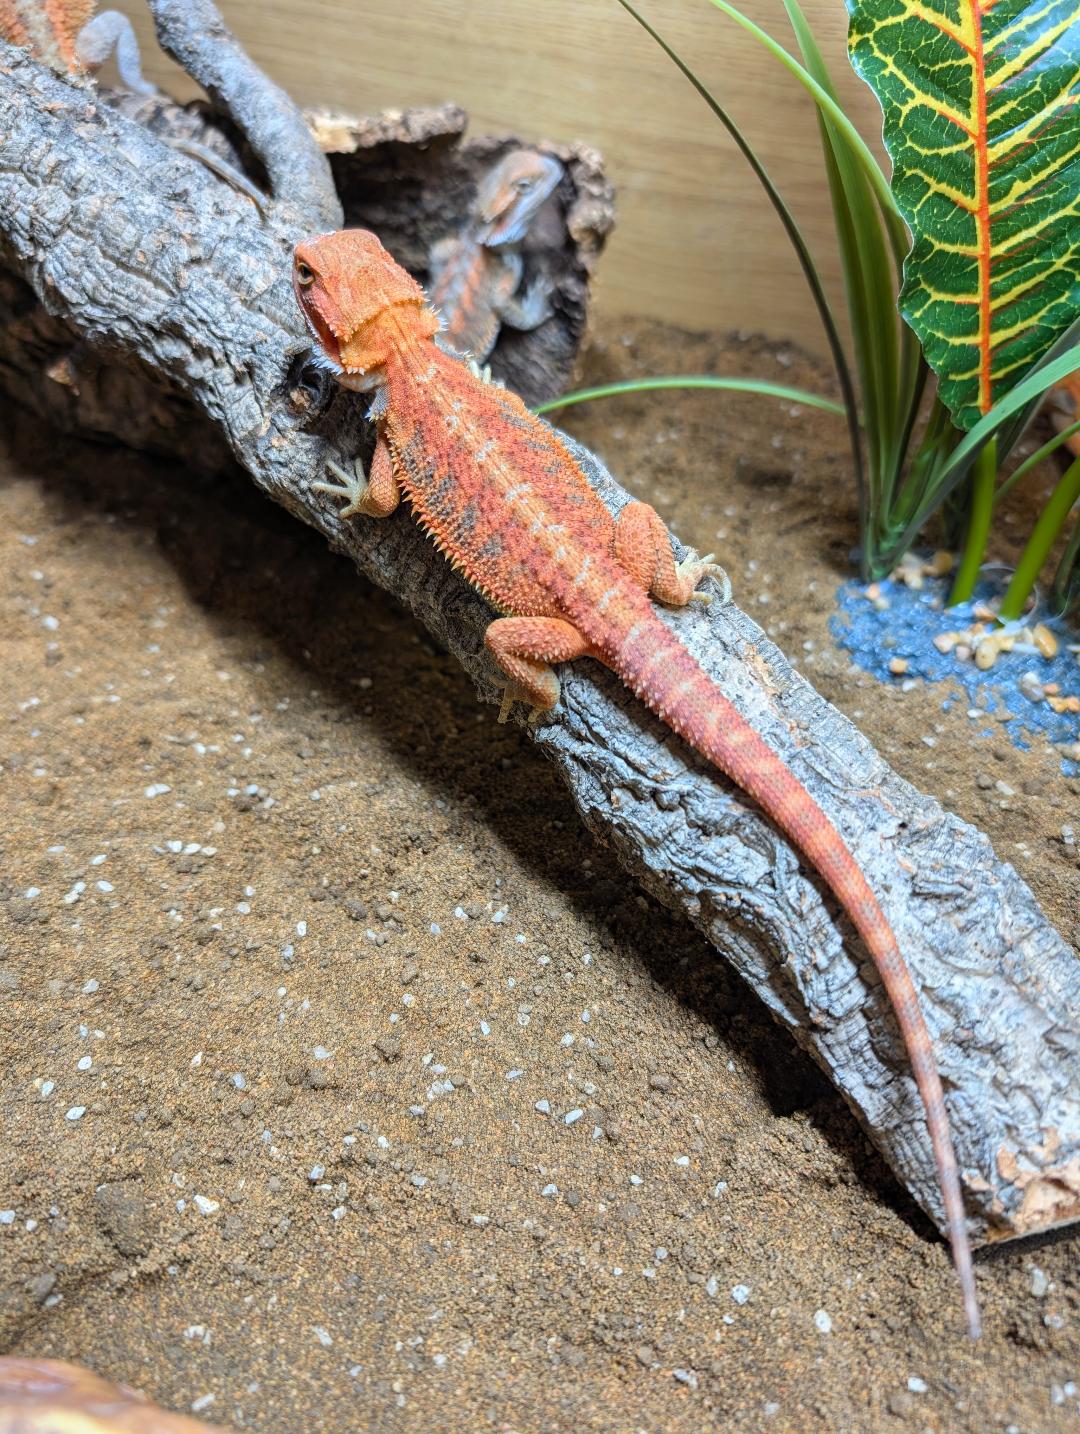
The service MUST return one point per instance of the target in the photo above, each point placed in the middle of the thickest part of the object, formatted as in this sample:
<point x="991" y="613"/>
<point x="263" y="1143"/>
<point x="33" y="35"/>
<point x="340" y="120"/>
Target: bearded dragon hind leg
<point x="693" y="569"/>
<point x="525" y="648"/>
<point x="643" y="548"/>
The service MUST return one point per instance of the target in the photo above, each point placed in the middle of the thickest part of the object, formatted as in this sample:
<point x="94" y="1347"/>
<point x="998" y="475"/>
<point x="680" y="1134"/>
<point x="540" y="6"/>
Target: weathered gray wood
<point x="146" y="253"/>
<point x="410" y="174"/>
<point x="193" y="33"/>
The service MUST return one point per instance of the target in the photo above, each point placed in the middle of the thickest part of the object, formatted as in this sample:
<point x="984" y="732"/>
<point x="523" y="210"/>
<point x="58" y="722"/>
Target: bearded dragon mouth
<point x="320" y="331"/>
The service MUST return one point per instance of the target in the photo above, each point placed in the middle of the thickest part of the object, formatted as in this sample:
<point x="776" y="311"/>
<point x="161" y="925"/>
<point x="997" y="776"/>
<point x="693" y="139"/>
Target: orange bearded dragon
<point x="49" y="27"/>
<point x="475" y="277"/>
<point x="62" y="33"/>
<point x="502" y="497"/>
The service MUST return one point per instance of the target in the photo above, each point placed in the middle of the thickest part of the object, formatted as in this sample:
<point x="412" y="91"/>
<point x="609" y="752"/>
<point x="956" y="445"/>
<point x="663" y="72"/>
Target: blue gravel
<point x="907" y="628"/>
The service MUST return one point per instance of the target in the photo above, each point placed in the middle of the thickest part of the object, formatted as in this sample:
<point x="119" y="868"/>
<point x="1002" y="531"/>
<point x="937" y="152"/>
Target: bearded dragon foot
<point x="513" y="692"/>
<point x="484" y="374"/>
<point x="353" y="486"/>
<point x="696" y="569"/>
<point x="530" y="309"/>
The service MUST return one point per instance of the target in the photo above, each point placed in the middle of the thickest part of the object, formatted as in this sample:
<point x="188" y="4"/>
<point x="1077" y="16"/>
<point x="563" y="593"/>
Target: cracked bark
<point x="161" y="268"/>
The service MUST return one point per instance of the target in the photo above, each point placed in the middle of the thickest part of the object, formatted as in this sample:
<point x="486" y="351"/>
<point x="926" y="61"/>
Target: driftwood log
<point x="159" y="267"/>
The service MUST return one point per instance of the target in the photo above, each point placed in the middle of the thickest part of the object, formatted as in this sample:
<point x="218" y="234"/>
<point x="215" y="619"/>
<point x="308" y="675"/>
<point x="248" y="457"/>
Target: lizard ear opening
<point x="304" y="275"/>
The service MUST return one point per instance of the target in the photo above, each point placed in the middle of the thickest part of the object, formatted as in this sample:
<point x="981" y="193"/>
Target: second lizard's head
<point x="360" y="305"/>
<point x="512" y="192"/>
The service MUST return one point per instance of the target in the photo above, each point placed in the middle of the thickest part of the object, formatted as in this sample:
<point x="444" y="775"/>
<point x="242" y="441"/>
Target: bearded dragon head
<point x="360" y="305"/>
<point x="511" y="193"/>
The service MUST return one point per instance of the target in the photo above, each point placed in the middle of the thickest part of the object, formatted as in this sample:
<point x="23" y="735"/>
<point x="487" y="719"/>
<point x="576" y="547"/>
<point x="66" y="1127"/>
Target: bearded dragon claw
<point x="352" y="486"/>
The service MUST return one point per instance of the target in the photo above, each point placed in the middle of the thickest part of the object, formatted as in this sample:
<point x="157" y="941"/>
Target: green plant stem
<point x="1067" y="571"/>
<point x="694" y="380"/>
<point x="1038" y="456"/>
<point x="1051" y="521"/>
<point x="983" y="477"/>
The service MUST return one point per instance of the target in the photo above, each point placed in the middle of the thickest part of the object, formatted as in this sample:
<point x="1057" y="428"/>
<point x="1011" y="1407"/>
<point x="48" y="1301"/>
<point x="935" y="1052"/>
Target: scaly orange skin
<point x="49" y="27"/>
<point x="475" y="277"/>
<point x="502" y="497"/>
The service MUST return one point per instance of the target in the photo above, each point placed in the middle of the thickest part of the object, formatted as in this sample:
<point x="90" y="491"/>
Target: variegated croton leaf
<point x="982" y="124"/>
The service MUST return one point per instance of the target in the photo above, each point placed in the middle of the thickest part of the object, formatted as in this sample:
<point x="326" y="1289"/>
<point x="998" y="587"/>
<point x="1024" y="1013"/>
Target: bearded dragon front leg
<point x="375" y="496"/>
<point x="525" y="648"/>
<point x="643" y="548"/>
<point x="528" y="310"/>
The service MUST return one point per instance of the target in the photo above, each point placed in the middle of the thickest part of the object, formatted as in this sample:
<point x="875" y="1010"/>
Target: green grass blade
<point x="921" y="480"/>
<point x="694" y="380"/>
<point x="1011" y="434"/>
<point x="1038" y="456"/>
<point x="914" y="375"/>
<point x="934" y="474"/>
<point x="1066" y="589"/>
<point x="814" y="60"/>
<point x="864" y="289"/>
<point x="1051" y="521"/>
<point x="791" y="228"/>
<point x="871" y="285"/>
<point x="1036" y="384"/>
<point x="858" y="146"/>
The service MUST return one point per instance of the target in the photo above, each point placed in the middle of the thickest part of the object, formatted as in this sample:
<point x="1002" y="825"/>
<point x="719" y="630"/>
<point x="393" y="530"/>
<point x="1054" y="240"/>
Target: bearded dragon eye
<point x="521" y="185"/>
<point x="304" y="275"/>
